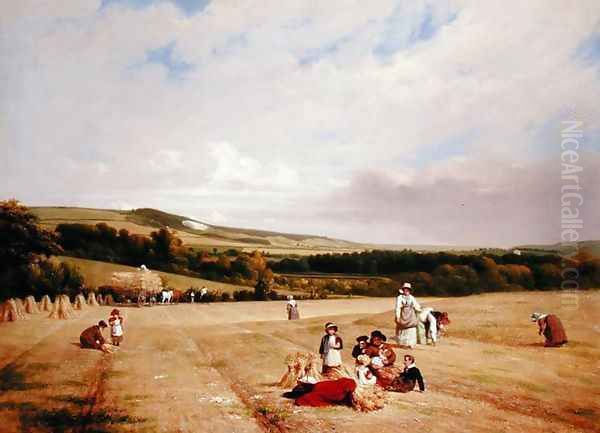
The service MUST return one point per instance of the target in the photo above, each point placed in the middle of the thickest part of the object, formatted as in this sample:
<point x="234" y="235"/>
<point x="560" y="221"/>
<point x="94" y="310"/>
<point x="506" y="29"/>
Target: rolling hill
<point x="196" y="233"/>
<point x="199" y="234"/>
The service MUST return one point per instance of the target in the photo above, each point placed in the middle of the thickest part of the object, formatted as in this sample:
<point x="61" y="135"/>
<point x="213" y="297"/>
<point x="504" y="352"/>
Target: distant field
<point x="144" y="221"/>
<point x="78" y="214"/>
<point x="592" y="247"/>
<point x="100" y="273"/>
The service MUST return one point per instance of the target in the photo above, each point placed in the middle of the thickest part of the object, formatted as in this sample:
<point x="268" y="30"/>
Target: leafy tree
<point x="260" y="290"/>
<point x="22" y="242"/>
<point x="547" y="276"/>
<point x="165" y="245"/>
<point x="21" y="238"/>
<point x="48" y="277"/>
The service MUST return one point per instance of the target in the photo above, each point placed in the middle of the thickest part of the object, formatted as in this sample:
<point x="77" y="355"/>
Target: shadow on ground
<point x="73" y="414"/>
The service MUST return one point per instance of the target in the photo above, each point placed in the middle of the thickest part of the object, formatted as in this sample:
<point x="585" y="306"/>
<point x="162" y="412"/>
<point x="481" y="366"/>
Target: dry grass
<point x="237" y="352"/>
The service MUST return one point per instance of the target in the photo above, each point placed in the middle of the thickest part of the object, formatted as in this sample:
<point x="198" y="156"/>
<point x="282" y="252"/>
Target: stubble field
<point x="212" y="368"/>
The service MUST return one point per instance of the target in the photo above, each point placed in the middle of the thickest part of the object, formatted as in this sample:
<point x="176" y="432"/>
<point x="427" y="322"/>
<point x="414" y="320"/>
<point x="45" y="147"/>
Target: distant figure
<point x="167" y="296"/>
<point x="92" y="338"/>
<point x="331" y="352"/>
<point x="407" y="321"/>
<point x="192" y="295"/>
<point x="292" y="308"/>
<point x="552" y="329"/>
<point x="116" y="327"/>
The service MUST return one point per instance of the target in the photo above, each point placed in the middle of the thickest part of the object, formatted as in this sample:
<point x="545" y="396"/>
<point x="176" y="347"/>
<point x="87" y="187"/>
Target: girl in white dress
<point x="116" y="327"/>
<point x="364" y="375"/>
<point x="331" y="352"/>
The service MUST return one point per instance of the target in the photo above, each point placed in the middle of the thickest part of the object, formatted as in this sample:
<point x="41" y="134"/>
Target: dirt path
<point x="176" y="389"/>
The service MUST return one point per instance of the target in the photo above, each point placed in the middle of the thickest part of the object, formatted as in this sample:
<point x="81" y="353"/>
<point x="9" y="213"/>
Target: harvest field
<point x="98" y="274"/>
<point x="212" y="368"/>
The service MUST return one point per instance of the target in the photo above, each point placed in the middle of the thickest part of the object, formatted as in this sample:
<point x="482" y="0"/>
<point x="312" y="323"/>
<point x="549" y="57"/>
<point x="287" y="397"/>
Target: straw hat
<point x="363" y="359"/>
<point x="537" y="316"/>
<point x="330" y="325"/>
<point x="378" y="333"/>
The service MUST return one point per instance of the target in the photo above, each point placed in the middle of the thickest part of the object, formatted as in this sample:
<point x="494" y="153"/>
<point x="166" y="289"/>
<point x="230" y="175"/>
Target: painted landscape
<point x="230" y="216"/>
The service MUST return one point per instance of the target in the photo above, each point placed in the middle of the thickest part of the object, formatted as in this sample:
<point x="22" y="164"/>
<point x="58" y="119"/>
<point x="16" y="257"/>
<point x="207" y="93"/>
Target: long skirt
<point x="554" y="332"/>
<point x="421" y="333"/>
<point x="408" y="337"/>
<point x="293" y="313"/>
<point x="387" y="375"/>
<point x="328" y="393"/>
<point x="87" y="344"/>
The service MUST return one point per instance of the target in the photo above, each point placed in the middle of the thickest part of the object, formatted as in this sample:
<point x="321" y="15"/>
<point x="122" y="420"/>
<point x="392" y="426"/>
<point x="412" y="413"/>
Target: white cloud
<point x="286" y="103"/>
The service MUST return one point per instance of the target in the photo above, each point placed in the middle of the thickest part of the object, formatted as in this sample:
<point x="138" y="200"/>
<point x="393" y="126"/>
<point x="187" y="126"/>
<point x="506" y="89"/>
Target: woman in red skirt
<point x="552" y="329"/>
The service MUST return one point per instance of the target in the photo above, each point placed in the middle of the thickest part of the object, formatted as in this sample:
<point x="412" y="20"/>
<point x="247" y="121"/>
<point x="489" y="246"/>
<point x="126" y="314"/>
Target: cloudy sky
<point x="382" y="121"/>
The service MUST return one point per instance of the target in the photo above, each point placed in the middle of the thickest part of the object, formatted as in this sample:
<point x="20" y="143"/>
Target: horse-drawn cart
<point x="142" y="284"/>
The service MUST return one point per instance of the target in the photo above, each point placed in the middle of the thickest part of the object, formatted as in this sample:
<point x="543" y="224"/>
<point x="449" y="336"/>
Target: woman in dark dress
<point x="92" y="337"/>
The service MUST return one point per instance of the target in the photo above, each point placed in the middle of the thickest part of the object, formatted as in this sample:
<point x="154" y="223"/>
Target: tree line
<point x="162" y="250"/>
<point x="442" y="274"/>
<point x="27" y="266"/>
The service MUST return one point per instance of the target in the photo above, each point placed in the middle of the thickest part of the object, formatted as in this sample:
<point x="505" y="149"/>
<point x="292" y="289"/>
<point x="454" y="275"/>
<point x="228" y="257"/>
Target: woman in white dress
<point x="292" y="308"/>
<point x="407" y="308"/>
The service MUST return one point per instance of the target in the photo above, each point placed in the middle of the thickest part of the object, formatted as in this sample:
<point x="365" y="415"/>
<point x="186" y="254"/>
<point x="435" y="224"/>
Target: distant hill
<point x="592" y="247"/>
<point x="196" y="233"/>
<point x="200" y="234"/>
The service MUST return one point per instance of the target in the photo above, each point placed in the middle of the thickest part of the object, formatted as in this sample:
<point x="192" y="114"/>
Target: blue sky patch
<point x="189" y="7"/>
<point x="314" y="55"/>
<point x="588" y="50"/>
<point x="449" y="148"/>
<point x="165" y="56"/>
<point x="403" y="30"/>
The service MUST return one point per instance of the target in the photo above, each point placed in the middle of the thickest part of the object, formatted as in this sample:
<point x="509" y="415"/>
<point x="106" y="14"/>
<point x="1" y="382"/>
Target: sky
<point x="404" y="122"/>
